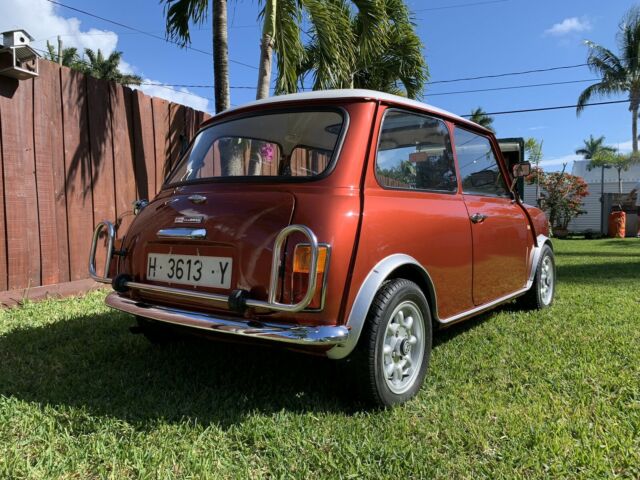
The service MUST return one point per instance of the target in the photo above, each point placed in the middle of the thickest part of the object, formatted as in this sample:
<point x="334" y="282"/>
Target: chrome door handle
<point x="197" y="199"/>
<point x="478" y="218"/>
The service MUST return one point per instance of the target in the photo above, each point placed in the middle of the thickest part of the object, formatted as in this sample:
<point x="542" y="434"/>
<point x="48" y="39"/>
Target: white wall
<point x="591" y="203"/>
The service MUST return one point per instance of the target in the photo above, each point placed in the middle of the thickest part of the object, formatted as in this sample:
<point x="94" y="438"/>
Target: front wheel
<point x="543" y="289"/>
<point x="390" y="362"/>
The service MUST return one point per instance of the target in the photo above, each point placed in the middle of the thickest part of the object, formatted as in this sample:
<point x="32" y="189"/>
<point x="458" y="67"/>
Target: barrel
<point x="617" y="221"/>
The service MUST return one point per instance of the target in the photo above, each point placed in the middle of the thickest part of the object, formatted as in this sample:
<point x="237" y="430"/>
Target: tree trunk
<point x="619" y="181"/>
<point x="220" y="56"/>
<point x="634" y="126"/>
<point x="266" y="49"/>
<point x="602" y="200"/>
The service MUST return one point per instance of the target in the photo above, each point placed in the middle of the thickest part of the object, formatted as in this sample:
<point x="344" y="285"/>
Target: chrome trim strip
<point x="183" y="233"/>
<point x="365" y="296"/>
<point x="481" y="308"/>
<point x="292" y="334"/>
<point x="111" y="235"/>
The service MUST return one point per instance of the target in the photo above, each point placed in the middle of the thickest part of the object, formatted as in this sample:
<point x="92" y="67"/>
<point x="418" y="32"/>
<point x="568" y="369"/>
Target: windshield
<point x="294" y="144"/>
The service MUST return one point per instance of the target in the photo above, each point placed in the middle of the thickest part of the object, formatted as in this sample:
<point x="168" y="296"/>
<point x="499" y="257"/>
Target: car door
<point x="501" y="234"/>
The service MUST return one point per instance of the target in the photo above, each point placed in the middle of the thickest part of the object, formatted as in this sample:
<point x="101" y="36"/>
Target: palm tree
<point x="592" y="146"/>
<point x="107" y="68"/>
<point x="69" y="55"/>
<point x="619" y="74"/>
<point x="480" y="117"/>
<point x="178" y="15"/>
<point x="592" y="150"/>
<point x="372" y="46"/>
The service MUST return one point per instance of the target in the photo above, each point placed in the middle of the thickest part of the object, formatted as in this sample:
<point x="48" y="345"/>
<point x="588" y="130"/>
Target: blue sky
<point x="490" y="37"/>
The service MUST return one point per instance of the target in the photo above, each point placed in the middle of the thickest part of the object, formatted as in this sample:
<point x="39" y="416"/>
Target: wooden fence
<point x="75" y="150"/>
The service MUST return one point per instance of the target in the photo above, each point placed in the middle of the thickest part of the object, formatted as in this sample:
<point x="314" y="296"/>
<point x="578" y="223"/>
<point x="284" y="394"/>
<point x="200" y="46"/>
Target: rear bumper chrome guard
<point x="277" y="332"/>
<point x="270" y="304"/>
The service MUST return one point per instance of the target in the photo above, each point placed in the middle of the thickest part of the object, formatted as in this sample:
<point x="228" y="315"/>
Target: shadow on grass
<point x="95" y="363"/>
<point x="601" y="254"/>
<point x="602" y="272"/>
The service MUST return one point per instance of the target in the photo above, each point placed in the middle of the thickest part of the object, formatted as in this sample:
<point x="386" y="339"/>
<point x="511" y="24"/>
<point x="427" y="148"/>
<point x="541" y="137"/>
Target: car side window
<point x="414" y="152"/>
<point x="478" y="165"/>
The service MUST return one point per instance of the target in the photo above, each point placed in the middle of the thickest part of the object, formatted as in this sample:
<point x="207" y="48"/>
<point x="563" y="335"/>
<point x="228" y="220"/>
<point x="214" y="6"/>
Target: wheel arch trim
<point x="368" y="290"/>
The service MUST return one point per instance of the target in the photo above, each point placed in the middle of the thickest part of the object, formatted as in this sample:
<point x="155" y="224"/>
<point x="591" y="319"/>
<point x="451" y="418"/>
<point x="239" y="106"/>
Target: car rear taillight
<point x="300" y="277"/>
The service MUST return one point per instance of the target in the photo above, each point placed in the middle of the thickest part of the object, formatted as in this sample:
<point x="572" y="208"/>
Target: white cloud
<point x="177" y="95"/>
<point x="539" y="127"/>
<point x="569" y="25"/>
<point x="42" y="20"/>
<point x="623" y="147"/>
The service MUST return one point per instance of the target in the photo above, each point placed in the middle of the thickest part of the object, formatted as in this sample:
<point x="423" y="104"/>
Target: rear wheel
<point x="543" y="289"/>
<point x="390" y="361"/>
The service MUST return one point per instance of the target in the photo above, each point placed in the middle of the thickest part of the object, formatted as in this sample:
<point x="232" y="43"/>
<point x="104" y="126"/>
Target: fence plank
<point x="5" y="89"/>
<point x="50" y="173"/>
<point x="77" y="170"/>
<point x="21" y="202"/>
<point x="98" y="93"/>
<point x="144" y="145"/>
<point x="161" y="137"/>
<point x="124" y="171"/>
<point x="177" y="131"/>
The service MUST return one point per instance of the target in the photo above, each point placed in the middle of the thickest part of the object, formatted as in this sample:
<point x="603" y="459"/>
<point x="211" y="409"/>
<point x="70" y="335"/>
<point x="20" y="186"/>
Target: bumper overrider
<point x="238" y="300"/>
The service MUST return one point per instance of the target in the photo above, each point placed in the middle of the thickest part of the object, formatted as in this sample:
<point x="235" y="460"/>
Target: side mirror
<point x="521" y="169"/>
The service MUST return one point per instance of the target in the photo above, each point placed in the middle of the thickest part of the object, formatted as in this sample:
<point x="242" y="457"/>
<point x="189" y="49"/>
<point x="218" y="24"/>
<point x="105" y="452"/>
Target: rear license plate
<point x="195" y="270"/>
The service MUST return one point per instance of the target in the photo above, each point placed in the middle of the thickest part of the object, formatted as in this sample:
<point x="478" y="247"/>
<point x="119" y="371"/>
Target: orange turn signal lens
<point x="302" y="258"/>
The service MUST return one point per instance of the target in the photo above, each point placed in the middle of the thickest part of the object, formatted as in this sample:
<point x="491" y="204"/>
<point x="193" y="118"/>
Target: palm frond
<point x="333" y="43"/>
<point x="600" y="89"/>
<point x="179" y="13"/>
<point x="288" y="45"/>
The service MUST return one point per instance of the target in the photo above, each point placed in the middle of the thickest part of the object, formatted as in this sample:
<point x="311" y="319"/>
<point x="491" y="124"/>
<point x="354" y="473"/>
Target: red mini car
<point x="347" y="223"/>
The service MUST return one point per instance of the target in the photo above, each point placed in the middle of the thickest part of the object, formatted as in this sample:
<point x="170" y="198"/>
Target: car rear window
<point x="293" y="144"/>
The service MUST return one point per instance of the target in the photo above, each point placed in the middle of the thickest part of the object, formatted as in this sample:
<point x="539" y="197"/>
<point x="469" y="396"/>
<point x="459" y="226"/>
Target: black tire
<point x="535" y="299"/>
<point x="156" y="332"/>
<point x="366" y="363"/>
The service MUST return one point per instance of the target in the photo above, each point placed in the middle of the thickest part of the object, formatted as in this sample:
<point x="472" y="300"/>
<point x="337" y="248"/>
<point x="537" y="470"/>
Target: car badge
<point x="188" y="220"/>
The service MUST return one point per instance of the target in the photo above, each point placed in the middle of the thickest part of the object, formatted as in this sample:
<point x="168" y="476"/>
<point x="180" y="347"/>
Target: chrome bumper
<point x="277" y="332"/>
<point x="271" y="304"/>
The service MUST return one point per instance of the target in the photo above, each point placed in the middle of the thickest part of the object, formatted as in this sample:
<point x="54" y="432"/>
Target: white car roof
<point x="353" y="93"/>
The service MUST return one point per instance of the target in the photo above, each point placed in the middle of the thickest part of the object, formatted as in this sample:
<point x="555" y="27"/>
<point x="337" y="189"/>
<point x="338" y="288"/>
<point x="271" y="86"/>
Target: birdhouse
<point x="17" y="58"/>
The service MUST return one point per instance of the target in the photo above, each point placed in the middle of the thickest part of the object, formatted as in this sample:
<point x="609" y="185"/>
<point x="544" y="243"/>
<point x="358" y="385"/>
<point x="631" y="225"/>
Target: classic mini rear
<point x="346" y="223"/>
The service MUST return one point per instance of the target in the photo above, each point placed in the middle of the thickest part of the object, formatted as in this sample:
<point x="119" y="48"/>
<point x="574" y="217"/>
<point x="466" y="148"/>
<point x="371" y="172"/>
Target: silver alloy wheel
<point x="403" y="347"/>
<point x="546" y="280"/>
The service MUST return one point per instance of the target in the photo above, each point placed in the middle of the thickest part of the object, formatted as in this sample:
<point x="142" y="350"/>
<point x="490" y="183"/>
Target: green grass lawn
<point x="511" y="394"/>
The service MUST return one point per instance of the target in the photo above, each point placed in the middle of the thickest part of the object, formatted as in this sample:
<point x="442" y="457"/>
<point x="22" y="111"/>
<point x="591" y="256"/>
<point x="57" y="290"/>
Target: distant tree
<point x="107" y="68"/>
<point x="561" y="195"/>
<point x="591" y="149"/>
<point x="533" y="152"/>
<point x="613" y="159"/>
<point x="480" y="117"/>
<point x="620" y="74"/>
<point x="70" y="57"/>
<point x="592" y="146"/>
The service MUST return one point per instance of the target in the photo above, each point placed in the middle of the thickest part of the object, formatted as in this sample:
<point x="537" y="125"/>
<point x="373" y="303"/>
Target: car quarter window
<point x="478" y="166"/>
<point x="414" y="152"/>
